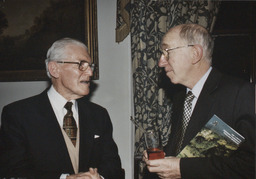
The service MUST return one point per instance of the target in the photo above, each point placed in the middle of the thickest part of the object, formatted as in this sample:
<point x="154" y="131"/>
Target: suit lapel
<point x="86" y="134"/>
<point x="49" y="116"/>
<point x="51" y="125"/>
<point x="202" y="110"/>
<point x="176" y="122"/>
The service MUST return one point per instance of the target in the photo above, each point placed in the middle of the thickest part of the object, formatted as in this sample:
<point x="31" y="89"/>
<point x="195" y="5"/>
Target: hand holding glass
<point x="153" y="142"/>
<point x="154" y="147"/>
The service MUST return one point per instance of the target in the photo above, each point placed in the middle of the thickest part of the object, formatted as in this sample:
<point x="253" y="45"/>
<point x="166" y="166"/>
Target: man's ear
<point x="197" y="53"/>
<point x="53" y="69"/>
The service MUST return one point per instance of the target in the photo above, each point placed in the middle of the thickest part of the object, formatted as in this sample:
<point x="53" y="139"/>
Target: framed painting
<point x="28" y="28"/>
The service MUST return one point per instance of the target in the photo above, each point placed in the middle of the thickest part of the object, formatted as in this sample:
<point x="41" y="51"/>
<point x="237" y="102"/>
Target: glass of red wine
<point x="154" y="145"/>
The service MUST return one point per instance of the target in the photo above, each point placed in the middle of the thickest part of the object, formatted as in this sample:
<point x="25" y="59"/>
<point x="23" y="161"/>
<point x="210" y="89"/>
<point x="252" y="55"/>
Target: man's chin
<point x="170" y="76"/>
<point x="172" y="79"/>
<point x="83" y="90"/>
<point x="86" y="92"/>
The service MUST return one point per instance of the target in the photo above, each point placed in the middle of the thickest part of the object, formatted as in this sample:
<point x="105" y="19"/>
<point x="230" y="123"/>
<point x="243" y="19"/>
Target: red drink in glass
<point x="155" y="153"/>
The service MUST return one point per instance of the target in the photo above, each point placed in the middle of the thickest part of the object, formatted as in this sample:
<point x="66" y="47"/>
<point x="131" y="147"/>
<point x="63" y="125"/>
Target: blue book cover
<point x="216" y="138"/>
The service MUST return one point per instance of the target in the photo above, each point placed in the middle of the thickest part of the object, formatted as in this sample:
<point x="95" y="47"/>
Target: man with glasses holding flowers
<point x="59" y="133"/>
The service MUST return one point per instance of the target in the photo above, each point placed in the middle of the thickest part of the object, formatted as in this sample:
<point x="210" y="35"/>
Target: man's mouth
<point x="168" y="69"/>
<point x="85" y="81"/>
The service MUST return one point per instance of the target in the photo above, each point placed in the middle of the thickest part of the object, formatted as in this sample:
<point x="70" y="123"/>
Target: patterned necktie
<point x="186" y="117"/>
<point x="69" y="123"/>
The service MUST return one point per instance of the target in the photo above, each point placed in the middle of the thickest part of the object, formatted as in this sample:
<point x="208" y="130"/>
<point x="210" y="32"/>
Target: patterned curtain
<point x="150" y="19"/>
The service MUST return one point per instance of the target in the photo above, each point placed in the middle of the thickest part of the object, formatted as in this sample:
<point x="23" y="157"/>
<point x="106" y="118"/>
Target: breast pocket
<point x="96" y="156"/>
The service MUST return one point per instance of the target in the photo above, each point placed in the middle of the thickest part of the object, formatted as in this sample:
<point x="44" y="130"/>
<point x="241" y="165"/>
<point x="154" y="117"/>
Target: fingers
<point x="145" y="156"/>
<point x="91" y="174"/>
<point x="153" y="166"/>
<point x="160" y="175"/>
<point x="94" y="173"/>
<point x="93" y="170"/>
<point x="165" y="168"/>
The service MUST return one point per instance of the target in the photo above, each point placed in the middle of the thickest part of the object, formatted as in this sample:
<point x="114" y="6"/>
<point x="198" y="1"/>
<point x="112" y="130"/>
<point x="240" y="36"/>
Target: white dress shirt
<point x="58" y="102"/>
<point x="198" y="88"/>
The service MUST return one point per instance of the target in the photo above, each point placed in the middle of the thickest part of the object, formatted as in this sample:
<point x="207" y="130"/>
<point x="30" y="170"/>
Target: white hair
<point x="58" y="50"/>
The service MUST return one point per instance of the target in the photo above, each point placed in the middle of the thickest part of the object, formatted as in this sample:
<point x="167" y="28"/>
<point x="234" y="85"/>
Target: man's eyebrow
<point x="84" y="60"/>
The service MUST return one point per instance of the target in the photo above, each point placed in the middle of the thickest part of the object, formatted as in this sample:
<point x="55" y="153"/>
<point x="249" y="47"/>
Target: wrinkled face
<point x="68" y="80"/>
<point x="177" y="63"/>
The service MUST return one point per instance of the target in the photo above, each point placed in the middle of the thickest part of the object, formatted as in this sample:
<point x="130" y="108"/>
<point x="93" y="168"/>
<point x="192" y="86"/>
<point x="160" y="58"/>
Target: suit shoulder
<point x="29" y="101"/>
<point x="235" y="82"/>
<point x="97" y="106"/>
<point x="90" y="104"/>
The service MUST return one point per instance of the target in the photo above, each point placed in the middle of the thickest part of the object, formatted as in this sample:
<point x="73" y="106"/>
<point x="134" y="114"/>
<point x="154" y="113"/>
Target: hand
<point x="167" y="168"/>
<point x="91" y="174"/>
<point x="145" y="156"/>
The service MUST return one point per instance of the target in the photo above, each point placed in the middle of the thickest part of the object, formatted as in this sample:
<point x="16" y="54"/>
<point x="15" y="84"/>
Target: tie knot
<point x="68" y="106"/>
<point x="190" y="96"/>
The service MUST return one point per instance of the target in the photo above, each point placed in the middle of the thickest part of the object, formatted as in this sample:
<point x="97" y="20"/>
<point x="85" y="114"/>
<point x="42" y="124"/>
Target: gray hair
<point x="196" y="34"/>
<point x="58" y="50"/>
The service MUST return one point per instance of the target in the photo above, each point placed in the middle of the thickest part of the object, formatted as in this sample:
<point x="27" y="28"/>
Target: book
<point x="216" y="138"/>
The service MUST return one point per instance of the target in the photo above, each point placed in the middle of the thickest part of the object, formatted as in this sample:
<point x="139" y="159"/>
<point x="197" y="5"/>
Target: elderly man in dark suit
<point x="41" y="137"/>
<point x="186" y="58"/>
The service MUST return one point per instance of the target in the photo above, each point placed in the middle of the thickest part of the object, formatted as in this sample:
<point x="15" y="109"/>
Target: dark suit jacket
<point x="32" y="144"/>
<point x="233" y="101"/>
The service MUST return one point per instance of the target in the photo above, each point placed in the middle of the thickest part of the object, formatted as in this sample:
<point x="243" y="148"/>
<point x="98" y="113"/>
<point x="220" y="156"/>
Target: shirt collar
<point x="58" y="100"/>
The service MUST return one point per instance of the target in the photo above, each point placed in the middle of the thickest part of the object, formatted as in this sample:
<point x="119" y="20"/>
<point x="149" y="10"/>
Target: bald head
<point x="195" y="34"/>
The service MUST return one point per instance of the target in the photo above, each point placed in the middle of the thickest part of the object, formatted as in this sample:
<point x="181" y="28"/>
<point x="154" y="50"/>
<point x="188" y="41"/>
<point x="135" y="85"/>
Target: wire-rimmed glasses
<point x="82" y="65"/>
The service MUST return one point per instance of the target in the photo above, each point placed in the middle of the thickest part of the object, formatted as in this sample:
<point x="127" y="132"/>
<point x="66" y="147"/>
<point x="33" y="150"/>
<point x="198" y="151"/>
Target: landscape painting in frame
<point x="29" y="27"/>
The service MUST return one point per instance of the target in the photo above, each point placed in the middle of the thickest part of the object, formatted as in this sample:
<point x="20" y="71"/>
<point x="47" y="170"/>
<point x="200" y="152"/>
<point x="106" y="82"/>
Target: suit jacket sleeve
<point x="13" y="156"/>
<point x="31" y="142"/>
<point x="110" y="164"/>
<point x="103" y="152"/>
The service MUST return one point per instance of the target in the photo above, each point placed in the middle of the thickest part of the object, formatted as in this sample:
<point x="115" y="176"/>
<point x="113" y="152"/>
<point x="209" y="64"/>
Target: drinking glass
<point x="154" y="145"/>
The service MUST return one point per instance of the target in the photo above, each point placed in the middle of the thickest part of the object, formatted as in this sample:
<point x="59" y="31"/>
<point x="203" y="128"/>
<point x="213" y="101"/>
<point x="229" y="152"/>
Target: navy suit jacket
<point x="232" y="100"/>
<point x="32" y="144"/>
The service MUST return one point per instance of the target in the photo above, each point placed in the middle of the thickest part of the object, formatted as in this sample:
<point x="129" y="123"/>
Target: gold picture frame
<point x="82" y="25"/>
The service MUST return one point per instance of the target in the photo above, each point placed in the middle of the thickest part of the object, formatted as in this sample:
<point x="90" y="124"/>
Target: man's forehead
<point x="169" y="41"/>
<point x="80" y="53"/>
<point x="171" y="38"/>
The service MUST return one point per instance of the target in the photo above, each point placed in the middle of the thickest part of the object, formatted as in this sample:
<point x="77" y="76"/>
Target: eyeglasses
<point x="165" y="52"/>
<point x="82" y="65"/>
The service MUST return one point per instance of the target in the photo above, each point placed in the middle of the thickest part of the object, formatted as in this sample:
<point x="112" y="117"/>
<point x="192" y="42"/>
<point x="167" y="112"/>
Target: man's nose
<point x="162" y="61"/>
<point x="89" y="71"/>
